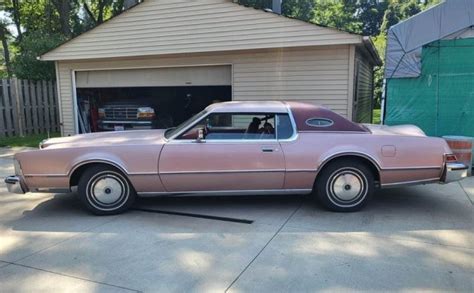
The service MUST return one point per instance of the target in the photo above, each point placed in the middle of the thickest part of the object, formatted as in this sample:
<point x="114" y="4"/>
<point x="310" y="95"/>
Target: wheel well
<point x="77" y="173"/>
<point x="367" y="162"/>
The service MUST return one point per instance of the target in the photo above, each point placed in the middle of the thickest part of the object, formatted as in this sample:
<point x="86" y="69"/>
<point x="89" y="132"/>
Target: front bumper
<point x="15" y="184"/>
<point x="110" y="125"/>
<point x="454" y="172"/>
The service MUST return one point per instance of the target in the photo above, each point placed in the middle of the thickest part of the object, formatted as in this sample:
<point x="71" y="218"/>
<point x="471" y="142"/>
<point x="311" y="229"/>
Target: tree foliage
<point x="33" y="27"/>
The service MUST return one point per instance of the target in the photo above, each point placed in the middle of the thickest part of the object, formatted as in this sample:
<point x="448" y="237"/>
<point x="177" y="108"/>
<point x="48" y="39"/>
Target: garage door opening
<point x="116" y="100"/>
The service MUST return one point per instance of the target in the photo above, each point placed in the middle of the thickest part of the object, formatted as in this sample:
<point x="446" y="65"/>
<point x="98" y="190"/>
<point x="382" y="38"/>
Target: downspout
<point x="382" y="102"/>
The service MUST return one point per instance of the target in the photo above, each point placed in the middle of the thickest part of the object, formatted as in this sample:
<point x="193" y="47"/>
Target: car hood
<point x="137" y="137"/>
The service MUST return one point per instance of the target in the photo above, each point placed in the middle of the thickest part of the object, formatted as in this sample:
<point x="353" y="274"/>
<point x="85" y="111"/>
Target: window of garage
<point x="133" y="99"/>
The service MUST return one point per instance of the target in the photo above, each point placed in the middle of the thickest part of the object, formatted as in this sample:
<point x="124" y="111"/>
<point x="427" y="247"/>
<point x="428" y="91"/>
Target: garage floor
<point x="417" y="238"/>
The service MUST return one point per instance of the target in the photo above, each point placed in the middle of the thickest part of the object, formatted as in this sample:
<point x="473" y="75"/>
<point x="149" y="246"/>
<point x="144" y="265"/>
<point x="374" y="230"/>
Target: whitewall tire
<point x="345" y="185"/>
<point x="105" y="190"/>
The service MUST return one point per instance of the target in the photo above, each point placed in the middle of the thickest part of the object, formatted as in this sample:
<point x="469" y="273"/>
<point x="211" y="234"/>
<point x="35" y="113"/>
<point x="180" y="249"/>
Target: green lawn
<point x="26" y="141"/>
<point x="376" y="116"/>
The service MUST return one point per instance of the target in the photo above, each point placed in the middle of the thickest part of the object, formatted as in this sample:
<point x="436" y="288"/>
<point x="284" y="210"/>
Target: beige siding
<point x="316" y="75"/>
<point x="364" y="93"/>
<point x="158" y="27"/>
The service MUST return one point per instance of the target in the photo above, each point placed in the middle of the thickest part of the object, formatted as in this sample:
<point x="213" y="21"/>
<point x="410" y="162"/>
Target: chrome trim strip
<point x="51" y="190"/>
<point x="46" y="175"/>
<point x="227" y="192"/>
<point x="357" y="154"/>
<point x="407" y="183"/>
<point x="142" y="173"/>
<point x="333" y="131"/>
<point x="115" y="164"/>
<point x="293" y="123"/>
<point x="222" y="171"/>
<point x="412" y="168"/>
<point x="301" y="170"/>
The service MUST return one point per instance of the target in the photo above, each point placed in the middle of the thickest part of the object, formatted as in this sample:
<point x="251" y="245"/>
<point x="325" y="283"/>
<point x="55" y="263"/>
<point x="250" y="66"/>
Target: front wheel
<point x="105" y="191"/>
<point x="345" y="185"/>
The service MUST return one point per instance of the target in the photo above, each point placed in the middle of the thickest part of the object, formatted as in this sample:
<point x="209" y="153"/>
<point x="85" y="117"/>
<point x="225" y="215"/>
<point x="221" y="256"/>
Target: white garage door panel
<point x="176" y="76"/>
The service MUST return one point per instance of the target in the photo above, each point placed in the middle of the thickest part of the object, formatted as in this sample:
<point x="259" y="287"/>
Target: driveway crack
<point x="265" y="246"/>
<point x="73" y="277"/>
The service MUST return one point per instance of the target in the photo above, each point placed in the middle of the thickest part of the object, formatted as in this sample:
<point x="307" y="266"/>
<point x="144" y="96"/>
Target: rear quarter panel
<point x="412" y="158"/>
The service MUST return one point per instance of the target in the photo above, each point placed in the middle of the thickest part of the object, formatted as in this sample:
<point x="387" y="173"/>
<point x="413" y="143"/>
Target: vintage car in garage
<point x="126" y="116"/>
<point x="237" y="148"/>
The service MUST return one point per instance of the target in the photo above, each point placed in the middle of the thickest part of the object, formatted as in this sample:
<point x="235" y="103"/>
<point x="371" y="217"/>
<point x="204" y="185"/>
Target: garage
<point x="164" y="60"/>
<point x="134" y="99"/>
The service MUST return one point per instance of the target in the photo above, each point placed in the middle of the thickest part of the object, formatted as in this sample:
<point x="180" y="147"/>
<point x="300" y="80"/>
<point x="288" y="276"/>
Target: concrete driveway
<point x="417" y="238"/>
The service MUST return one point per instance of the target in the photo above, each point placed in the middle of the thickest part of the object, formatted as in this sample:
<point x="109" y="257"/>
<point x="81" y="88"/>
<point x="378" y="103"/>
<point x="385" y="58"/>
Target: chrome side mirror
<point x="200" y="137"/>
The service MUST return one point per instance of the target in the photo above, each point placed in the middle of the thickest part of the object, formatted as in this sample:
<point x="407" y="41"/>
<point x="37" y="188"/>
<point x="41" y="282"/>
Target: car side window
<point x="235" y="126"/>
<point x="284" y="126"/>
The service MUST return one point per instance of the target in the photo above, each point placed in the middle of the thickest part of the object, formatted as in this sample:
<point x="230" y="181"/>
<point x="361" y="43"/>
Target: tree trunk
<point x="6" y="50"/>
<point x="16" y="18"/>
<point x="64" y="10"/>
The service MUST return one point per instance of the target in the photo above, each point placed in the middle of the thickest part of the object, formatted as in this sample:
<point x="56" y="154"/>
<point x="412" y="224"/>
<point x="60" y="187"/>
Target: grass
<point x="376" y="116"/>
<point x="31" y="140"/>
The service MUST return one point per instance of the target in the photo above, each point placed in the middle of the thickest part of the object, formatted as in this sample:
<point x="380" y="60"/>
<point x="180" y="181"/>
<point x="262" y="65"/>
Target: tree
<point x="4" y="35"/>
<point x="26" y="65"/>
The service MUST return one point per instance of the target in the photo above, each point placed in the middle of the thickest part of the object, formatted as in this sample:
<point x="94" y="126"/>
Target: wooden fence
<point x="28" y="107"/>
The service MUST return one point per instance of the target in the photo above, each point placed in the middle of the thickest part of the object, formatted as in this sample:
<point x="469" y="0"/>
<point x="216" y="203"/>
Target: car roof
<point x="249" y="107"/>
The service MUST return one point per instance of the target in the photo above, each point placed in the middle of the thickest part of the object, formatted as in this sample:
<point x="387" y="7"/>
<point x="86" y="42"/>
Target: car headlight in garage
<point x="145" y="113"/>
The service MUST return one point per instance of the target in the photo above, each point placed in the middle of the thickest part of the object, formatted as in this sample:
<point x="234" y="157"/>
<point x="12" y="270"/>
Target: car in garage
<point x="237" y="148"/>
<point x="126" y="116"/>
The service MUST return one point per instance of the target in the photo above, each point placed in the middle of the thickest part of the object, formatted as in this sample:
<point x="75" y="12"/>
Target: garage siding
<point x="364" y="94"/>
<point x="316" y="75"/>
<point x="157" y="27"/>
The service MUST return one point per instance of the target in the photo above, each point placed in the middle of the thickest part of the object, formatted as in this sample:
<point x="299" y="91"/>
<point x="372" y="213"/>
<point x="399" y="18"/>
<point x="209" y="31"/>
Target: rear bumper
<point x="15" y="184"/>
<point x="454" y="172"/>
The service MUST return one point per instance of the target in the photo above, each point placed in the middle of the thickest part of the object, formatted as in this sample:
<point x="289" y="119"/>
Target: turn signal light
<point x="145" y="113"/>
<point x="450" y="158"/>
<point x="101" y="112"/>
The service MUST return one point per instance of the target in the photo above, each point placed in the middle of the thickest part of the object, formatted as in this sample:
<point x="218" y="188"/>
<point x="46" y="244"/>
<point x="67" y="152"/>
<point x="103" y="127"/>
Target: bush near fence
<point x="28" y="107"/>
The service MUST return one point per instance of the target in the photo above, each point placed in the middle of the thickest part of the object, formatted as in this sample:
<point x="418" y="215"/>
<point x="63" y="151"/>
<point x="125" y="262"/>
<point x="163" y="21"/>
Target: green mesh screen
<point x="441" y="100"/>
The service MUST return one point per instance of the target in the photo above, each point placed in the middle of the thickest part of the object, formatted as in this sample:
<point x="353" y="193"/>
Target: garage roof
<point x="158" y="27"/>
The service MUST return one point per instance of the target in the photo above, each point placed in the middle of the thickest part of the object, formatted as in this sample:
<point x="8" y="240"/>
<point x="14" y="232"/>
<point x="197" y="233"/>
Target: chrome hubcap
<point x="347" y="187"/>
<point x="108" y="190"/>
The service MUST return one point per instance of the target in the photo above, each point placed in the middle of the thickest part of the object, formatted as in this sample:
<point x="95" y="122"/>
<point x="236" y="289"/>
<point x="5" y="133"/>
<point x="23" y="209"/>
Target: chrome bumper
<point x="14" y="184"/>
<point x="454" y="172"/>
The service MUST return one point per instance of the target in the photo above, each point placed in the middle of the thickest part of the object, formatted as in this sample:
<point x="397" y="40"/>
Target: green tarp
<point x="441" y="99"/>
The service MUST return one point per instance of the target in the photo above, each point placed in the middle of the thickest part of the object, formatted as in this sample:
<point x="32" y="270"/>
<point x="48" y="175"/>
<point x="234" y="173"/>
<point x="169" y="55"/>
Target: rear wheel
<point x="105" y="191"/>
<point x="345" y="185"/>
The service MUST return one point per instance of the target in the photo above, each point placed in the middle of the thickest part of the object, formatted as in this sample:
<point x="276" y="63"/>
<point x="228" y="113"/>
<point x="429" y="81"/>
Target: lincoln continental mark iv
<point x="239" y="148"/>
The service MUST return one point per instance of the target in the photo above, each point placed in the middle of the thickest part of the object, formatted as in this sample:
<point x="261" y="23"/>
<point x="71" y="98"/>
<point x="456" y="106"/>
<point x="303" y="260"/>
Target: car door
<point x="235" y="155"/>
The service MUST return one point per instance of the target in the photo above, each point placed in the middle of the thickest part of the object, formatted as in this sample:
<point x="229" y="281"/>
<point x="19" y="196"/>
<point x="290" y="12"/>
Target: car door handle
<point x="269" y="149"/>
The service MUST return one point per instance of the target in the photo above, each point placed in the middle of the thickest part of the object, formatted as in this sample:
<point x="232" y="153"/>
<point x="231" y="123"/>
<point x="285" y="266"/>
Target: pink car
<point x="239" y="148"/>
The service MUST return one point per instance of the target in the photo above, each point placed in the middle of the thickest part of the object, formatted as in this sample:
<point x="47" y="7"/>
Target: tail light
<point x="450" y="158"/>
<point x="145" y="113"/>
<point x="101" y="112"/>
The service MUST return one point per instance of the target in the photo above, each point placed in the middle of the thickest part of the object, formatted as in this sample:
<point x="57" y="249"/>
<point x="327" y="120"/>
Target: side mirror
<point x="200" y="137"/>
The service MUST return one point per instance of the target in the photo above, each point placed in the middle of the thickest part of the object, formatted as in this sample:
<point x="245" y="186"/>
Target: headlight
<point x="17" y="166"/>
<point x="101" y="112"/>
<point x="145" y="112"/>
<point x="41" y="144"/>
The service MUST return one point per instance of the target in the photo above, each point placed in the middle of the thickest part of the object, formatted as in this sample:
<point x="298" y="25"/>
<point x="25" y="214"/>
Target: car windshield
<point x="172" y="131"/>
